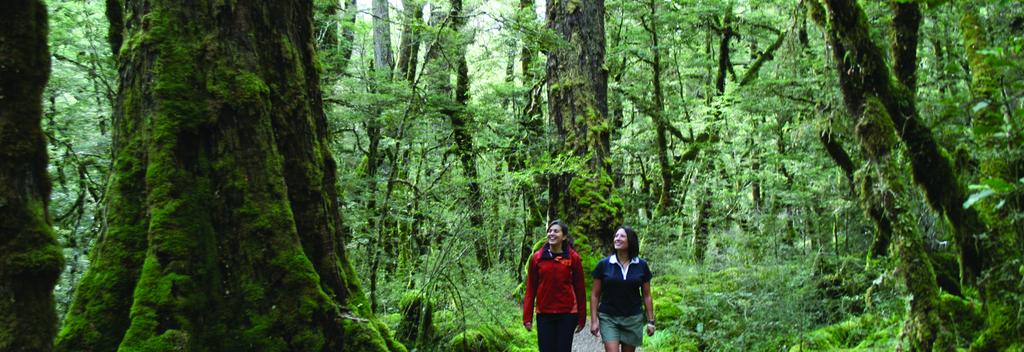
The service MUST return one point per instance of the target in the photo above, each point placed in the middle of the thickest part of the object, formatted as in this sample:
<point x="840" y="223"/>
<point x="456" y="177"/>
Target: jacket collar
<point x="545" y="253"/>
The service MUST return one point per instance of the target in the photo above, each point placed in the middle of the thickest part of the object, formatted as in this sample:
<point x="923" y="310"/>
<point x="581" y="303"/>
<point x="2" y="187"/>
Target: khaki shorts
<point x="628" y="329"/>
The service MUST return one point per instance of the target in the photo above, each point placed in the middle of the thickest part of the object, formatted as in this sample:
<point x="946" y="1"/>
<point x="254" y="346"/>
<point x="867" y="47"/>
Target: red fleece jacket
<point x="557" y="284"/>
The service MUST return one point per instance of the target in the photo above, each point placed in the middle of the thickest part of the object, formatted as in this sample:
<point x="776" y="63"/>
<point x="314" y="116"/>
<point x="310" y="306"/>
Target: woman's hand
<point x="650" y="329"/>
<point x="578" y="328"/>
<point x="528" y="326"/>
<point x="594" y="327"/>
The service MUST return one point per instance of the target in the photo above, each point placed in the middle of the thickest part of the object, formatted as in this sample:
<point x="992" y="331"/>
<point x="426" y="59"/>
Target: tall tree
<point x="578" y="108"/>
<point x="383" y="62"/>
<point x="223" y="226"/>
<point x="461" y="121"/>
<point x="661" y="122"/>
<point x="409" y="46"/>
<point x="30" y="258"/>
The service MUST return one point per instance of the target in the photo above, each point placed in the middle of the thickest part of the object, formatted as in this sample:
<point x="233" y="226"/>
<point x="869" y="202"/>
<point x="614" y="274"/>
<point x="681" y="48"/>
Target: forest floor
<point x="585" y="342"/>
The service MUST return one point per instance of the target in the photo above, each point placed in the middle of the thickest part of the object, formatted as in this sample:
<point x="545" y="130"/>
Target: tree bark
<point x="409" y="47"/>
<point x="348" y="34"/>
<point x="922" y="326"/>
<point x="222" y="211"/>
<point x="383" y="59"/>
<point x="1001" y="249"/>
<point x="30" y="258"/>
<point x="905" y="22"/>
<point x="724" y="63"/>
<point x="578" y="106"/>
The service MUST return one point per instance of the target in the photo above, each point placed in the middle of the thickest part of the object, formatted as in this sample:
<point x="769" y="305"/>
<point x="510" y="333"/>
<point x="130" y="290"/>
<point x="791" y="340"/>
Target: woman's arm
<point x="595" y="295"/>
<point x="530" y="294"/>
<point x="649" y="305"/>
<point x="579" y="291"/>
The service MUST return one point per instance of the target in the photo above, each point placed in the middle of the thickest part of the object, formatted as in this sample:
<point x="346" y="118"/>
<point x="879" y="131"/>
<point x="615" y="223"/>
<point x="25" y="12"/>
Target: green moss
<point x="237" y="87"/>
<point x="363" y="335"/>
<point x="484" y="339"/>
<point x="417" y="324"/>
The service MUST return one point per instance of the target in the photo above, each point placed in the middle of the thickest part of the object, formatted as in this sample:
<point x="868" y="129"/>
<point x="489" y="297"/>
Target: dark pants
<point x="554" y="332"/>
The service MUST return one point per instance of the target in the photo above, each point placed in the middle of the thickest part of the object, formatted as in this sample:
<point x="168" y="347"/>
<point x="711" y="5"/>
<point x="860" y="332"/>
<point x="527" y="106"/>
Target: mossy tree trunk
<point x="1001" y="288"/>
<point x="701" y="228"/>
<point x="906" y="22"/>
<point x="223" y="225"/>
<point x="877" y="136"/>
<point x="30" y="258"/>
<point x="988" y="253"/>
<point x="578" y="107"/>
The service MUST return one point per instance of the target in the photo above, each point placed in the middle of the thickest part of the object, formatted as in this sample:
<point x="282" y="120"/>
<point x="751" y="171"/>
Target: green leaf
<point x="999" y="185"/>
<point x="977" y="196"/>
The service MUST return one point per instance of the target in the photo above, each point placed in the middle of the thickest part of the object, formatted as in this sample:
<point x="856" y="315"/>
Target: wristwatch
<point x="650" y="322"/>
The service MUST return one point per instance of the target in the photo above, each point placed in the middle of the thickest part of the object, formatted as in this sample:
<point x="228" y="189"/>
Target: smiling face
<point x="621" y="240"/>
<point x="556" y="235"/>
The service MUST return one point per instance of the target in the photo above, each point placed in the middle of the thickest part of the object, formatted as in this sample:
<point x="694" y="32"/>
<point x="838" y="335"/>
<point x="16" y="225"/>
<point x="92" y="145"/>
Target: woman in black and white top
<point x="622" y="285"/>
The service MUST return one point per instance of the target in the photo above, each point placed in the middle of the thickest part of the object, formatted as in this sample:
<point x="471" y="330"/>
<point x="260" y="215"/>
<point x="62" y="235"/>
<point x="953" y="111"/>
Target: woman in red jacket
<point x="555" y="279"/>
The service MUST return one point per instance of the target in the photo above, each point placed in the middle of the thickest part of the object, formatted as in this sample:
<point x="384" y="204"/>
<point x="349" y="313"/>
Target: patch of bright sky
<point x="488" y="53"/>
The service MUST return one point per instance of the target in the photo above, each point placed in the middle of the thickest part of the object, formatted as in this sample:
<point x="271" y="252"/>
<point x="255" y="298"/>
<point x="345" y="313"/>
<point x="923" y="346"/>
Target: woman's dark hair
<point x="631" y="240"/>
<point x="565" y="231"/>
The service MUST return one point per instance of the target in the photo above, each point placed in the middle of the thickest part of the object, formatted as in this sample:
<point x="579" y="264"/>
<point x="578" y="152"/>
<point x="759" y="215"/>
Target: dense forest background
<point x="803" y="174"/>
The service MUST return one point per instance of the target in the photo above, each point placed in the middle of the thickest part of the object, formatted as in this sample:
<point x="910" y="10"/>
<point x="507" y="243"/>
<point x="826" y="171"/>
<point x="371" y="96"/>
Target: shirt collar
<point x="614" y="259"/>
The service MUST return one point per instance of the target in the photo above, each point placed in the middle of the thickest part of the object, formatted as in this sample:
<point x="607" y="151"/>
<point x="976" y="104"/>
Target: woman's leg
<point x="611" y="346"/>
<point x="566" y="328"/>
<point x="628" y="348"/>
<point x="546" y="333"/>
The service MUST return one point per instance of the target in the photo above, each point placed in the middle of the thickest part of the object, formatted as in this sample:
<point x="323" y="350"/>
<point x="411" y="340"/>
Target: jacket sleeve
<point x="580" y="290"/>
<point x="531" y="290"/>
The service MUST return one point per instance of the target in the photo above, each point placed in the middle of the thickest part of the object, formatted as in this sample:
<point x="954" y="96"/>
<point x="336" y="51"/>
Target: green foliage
<point x="864" y="333"/>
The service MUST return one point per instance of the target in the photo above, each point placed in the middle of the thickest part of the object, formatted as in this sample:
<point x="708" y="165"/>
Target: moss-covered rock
<point x="416" y="327"/>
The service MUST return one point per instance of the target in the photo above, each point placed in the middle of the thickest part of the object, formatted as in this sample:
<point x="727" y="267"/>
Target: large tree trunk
<point x="223" y="216"/>
<point x="578" y="106"/>
<point x="30" y="258"/>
